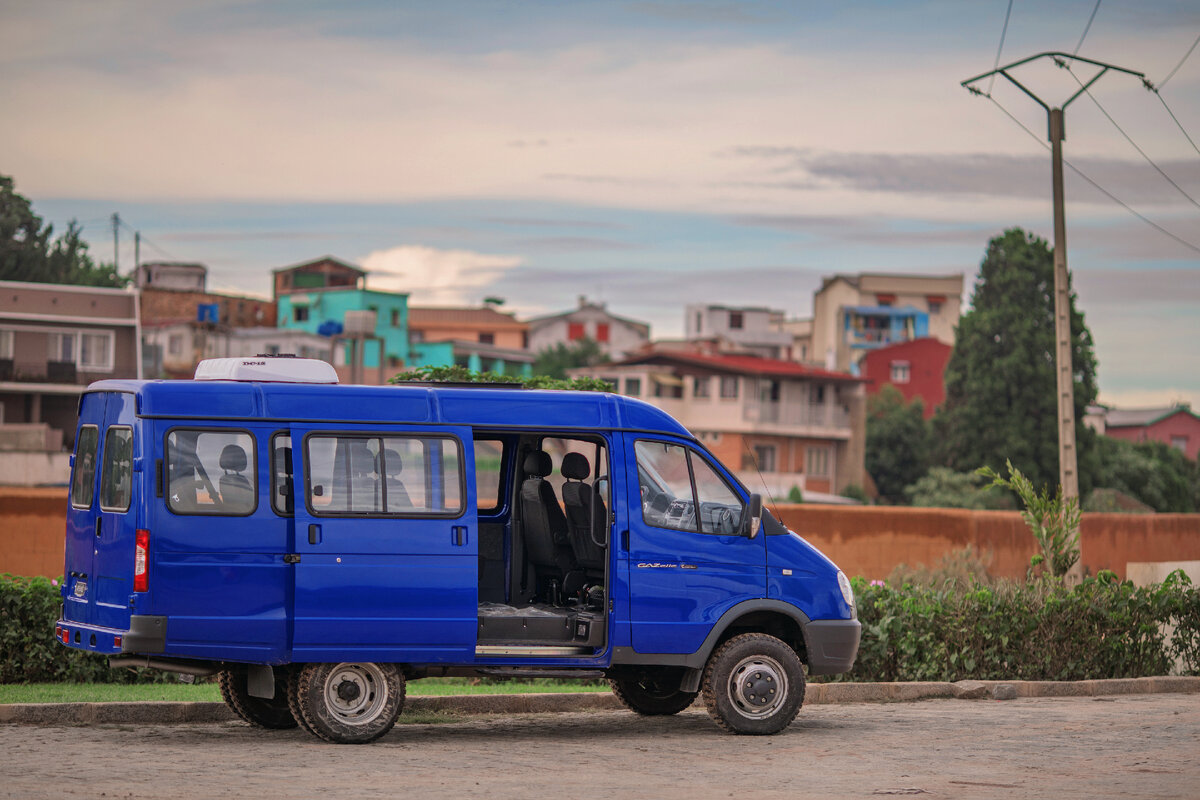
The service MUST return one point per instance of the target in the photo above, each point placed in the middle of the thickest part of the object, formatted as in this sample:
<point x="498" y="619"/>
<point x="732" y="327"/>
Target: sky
<point x="644" y="154"/>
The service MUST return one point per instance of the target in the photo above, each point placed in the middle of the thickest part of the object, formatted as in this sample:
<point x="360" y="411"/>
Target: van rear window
<point x="83" y="484"/>
<point x="116" y="479"/>
<point x="211" y="472"/>
<point x="383" y="475"/>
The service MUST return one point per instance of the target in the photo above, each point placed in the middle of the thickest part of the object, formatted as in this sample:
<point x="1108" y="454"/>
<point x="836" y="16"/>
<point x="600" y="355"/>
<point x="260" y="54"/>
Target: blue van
<point x="317" y="546"/>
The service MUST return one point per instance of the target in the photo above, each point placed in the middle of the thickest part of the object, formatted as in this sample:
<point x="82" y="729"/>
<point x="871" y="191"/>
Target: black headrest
<point x="575" y="466"/>
<point x="233" y="457"/>
<point x="392" y="463"/>
<point x="538" y="464"/>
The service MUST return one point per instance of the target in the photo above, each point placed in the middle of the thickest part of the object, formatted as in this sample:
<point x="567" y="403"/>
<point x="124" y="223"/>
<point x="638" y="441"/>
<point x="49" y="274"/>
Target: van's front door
<point x="687" y="561"/>
<point x="386" y="551"/>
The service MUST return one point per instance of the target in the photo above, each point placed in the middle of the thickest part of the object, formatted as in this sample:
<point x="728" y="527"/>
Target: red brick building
<point x="1177" y="426"/>
<point x="916" y="368"/>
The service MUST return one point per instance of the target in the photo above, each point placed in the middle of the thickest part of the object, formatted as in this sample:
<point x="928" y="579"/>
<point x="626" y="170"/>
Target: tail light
<point x="141" y="562"/>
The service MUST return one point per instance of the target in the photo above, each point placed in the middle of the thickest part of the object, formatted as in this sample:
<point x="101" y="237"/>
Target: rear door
<point x="387" y="545"/>
<point x="116" y="501"/>
<point x="686" y="562"/>
<point x="83" y="521"/>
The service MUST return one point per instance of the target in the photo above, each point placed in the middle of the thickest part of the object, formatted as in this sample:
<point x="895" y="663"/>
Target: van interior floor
<point x="539" y="624"/>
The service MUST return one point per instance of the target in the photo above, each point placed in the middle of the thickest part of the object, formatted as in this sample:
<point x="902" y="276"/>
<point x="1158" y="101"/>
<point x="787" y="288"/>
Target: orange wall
<point x="868" y="541"/>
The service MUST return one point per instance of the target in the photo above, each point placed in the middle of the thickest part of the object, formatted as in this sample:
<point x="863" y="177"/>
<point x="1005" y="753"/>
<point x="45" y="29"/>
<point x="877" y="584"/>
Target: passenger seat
<point x="236" y="493"/>
<point x="586" y="514"/>
<point x="544" y="527"/>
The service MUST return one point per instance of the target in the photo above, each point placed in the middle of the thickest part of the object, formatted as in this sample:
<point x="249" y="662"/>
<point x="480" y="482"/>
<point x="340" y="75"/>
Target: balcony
<point x="801" y="415"/>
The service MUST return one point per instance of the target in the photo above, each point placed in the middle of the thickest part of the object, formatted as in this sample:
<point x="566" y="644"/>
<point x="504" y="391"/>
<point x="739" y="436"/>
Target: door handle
<point x="98" y="520"/>
<point x="314" y="533"/>
<point x="458" y="535"/>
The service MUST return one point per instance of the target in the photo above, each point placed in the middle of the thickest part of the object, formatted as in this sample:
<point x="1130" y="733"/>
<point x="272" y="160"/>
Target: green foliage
<point x="1113" y="501"/>
<point x="29" y="652"/>
<point x="942" y="487"/>
<point x="898" y="442"/>
<point x="1158" y="475"/>
<point x="795" y="495"/>
<point x="27" y="253"/>
<point x="856" y="492"/>
<point x="1053" y="521"/>
<point x="555" y="361"/>
<point x="1000" y="380"/>
<point x="1038" y="630"/>
<point x="459" y="374"/>
<point x="958" y="566"/>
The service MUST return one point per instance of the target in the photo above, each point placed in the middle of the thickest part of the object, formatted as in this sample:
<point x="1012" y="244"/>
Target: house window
<point x="611" y="381"/>
<point x="62" y="347"/>
<point x="729" y="387"/>
<point x="633" y="387"/>
<point x="900" y="372"/>
<point x="272" y="349"/>
<point x="416" y="336"/>
<point x="395" y="318"/>
<point x="699" y="322"/>
<point x="700" y="386"/>
<point x="487" y="338"/>
<point x="574" y="331"/>
<point x="736" y="320"/>
<point x="601" y="331"/>
<point x="96" y="351"/>
<point x="300" y="313"/>
<point x="1180" y="443"/>
<point x="175" y="344"/>
<point x="6" y="344"/>
<point x="935" y="307"/>
<point x="764" y="457"/>
<point x="817" y="461"/>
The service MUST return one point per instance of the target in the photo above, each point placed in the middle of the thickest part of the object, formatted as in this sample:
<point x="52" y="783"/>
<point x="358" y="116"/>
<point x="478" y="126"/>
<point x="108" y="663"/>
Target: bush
<point x="1039" y="630"/>
<point x="29" y="608"/>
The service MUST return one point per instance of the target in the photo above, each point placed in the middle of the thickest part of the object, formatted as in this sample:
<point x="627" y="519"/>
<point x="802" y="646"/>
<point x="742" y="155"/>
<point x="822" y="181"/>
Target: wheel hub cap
<point x="757" y="686"/>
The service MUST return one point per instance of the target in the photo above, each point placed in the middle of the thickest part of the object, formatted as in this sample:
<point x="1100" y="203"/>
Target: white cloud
<point x="436" y="277"/>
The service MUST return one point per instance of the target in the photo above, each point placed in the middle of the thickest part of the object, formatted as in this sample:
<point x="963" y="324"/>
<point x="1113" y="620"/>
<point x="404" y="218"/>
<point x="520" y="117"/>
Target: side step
<point x="552" y="672"/>
<point x="495" y="650"/>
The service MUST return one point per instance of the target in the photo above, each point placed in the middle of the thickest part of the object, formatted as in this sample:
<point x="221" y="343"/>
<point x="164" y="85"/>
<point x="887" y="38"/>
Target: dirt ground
<point x="1136" y="746"/>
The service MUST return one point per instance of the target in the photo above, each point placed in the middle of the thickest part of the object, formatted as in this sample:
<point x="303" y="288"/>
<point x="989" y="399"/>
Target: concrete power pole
<point x="1067" y="456"/>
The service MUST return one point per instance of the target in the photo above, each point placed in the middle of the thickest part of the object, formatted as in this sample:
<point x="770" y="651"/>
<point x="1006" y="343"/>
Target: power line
<point x="1129" y="139"/>
<point x="1177" y="122"/>
<point x="1086" y="28"/>
<point x="1095" y="185"/>
<point x="1003" y="33"/>
<point x="1171" y="74"/>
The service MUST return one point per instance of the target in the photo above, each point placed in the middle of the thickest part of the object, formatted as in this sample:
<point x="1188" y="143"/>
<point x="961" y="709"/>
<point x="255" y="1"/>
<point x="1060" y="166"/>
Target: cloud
<point x="436" y="277"/>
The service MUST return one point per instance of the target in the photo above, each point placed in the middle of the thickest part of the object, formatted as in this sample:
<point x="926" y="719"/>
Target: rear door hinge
<point x="291" y="558"/>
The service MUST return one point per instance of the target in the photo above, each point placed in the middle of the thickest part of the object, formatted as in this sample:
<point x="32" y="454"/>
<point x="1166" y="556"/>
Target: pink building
<point x="1177" y="426"/>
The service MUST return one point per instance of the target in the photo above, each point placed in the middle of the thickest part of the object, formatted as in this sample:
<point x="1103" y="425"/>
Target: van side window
<point x="83" y="486"/>
<point x="211" y="472"/>
<point x="282" y="484"/>
<point x="116" y="478"/>
<point x="489" y="461"/>
<point x="676" y="482"/>
<point x="383" y="476"/>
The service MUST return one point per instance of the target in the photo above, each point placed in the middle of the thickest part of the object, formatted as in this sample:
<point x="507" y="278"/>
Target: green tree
<point x="897" y="442"/>
<point x="27" y="252"/>
<point x="942" y="487"/>
<point x="1160" y="476"/>
<point x="554" y="361"/>
<point x="1000" y="381"/>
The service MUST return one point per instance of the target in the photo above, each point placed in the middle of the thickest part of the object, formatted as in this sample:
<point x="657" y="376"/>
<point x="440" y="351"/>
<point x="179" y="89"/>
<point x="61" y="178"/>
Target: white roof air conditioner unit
<point x="266" y="369"/>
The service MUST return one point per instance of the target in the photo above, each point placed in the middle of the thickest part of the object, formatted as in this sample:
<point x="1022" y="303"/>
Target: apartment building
<point x="479" y="338"/>
<point x="617" y="336"/>
<point x="750" y="329"/>
<point x="786" y="424"/>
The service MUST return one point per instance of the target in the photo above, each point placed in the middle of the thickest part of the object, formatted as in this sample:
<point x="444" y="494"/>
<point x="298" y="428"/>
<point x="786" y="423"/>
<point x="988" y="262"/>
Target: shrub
<point x="460" y="374"/>
<point x="29" y="608"/>
<point x="1038" y="630"/>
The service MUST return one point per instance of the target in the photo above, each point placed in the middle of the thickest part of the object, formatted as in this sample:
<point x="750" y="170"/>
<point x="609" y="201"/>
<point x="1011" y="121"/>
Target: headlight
<point x="844" y="585"/>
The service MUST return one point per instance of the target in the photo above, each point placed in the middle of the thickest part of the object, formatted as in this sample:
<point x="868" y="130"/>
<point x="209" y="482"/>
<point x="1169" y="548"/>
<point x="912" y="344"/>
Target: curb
<point x="168" y="713"/>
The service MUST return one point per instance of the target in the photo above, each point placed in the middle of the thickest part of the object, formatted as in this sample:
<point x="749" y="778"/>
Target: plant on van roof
<point x="460" y="374"/>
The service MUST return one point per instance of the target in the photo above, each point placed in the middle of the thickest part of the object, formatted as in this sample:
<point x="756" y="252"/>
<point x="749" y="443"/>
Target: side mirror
<point x="752" y="518"/>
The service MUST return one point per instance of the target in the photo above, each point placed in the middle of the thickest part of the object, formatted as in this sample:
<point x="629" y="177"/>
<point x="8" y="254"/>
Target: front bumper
<point x="832" y="645"/>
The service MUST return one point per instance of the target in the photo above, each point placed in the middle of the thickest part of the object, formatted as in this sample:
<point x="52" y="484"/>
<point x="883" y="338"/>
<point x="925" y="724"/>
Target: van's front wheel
<point x="754" y="684"/>
<point x="349" y="703"/>
<point x="273" y="714"/>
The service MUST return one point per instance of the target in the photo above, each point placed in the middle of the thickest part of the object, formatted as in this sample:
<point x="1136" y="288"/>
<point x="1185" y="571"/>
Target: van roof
<point x="426" y="404"/>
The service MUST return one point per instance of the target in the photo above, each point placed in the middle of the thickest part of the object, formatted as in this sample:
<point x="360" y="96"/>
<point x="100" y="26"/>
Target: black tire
<point x="293" y="688"/>
<point x="272" y="714"/>
<point x="754" y="684"/>
<point x="350" y="702"/>
<point x="653" y="696"/>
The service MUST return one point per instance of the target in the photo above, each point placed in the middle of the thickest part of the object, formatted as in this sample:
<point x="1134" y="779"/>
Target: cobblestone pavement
<point x="1137" y="746"/>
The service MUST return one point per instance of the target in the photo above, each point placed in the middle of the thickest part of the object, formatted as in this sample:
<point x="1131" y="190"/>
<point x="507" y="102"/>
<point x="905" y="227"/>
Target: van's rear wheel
<point x="754" y="684"/>
<point x="264" y="713"/>
<point x="653" y="695"/>
<point x="349" y="703"/>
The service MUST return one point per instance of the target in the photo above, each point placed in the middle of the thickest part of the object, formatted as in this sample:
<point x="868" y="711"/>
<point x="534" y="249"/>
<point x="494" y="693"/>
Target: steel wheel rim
<point x="356" y="693"/>
<point x="758" y="686"/>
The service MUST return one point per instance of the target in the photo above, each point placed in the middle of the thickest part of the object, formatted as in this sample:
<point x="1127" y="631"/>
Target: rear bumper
<point x="146" y="634"/>
<point x="832" y="645"/>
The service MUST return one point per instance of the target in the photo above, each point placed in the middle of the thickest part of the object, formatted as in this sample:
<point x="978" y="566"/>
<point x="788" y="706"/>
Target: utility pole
<point x="116" y="223"/>
<point x="137" y="250"/>
<point x="1067" y="456"/>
